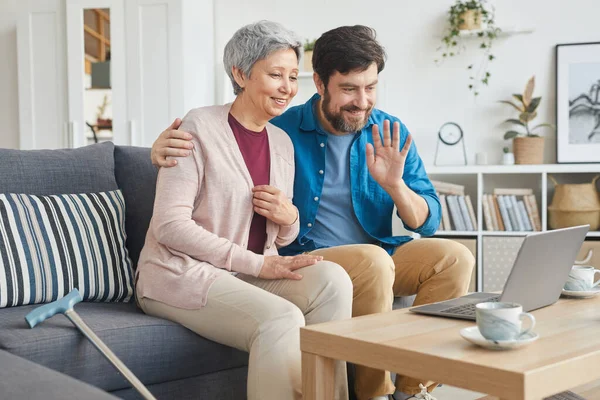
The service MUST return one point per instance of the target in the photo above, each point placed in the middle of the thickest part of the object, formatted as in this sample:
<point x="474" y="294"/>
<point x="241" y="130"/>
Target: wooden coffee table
<point x="566" y="355"/>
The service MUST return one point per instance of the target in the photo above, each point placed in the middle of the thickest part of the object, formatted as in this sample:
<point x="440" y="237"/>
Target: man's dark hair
<point x="345" y="49"/>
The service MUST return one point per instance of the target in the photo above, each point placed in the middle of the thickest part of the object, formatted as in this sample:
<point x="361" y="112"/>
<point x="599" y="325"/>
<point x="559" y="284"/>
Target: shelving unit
<point x="480" y="179"/>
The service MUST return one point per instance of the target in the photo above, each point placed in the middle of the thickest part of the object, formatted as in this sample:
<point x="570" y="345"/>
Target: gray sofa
<point x="173" y="362"/>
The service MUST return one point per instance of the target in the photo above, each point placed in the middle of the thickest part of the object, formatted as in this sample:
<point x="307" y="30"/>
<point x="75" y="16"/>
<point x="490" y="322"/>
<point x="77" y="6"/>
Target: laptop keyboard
<point x="466" y="309"/>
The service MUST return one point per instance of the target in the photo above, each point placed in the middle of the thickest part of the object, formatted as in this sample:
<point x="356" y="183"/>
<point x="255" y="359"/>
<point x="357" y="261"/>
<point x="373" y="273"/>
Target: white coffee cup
<point x="502" y="321"/>
<point x="581" y="278"/>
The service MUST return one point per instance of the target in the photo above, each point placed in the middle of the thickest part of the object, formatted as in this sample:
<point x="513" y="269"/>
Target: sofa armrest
<point x="23" y="379"/>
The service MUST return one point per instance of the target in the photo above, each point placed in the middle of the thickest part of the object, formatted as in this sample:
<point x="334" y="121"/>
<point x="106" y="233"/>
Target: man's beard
<point x="338" y="121"/>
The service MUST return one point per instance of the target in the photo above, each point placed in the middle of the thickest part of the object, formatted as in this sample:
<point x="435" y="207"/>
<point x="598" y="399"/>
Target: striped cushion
<point x="52" y="244"/>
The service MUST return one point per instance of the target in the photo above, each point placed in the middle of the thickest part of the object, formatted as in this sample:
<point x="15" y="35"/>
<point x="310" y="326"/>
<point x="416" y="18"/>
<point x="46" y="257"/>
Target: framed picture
<point x="578" y="102"/>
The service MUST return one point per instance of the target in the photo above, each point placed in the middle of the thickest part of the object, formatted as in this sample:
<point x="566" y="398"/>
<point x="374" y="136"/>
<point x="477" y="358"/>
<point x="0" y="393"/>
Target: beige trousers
<point x="433" y="269"/>
<point x="263" y="317"/>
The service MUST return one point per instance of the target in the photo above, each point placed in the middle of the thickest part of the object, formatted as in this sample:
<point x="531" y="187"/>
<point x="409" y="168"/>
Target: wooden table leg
<point x="318" y="378"/>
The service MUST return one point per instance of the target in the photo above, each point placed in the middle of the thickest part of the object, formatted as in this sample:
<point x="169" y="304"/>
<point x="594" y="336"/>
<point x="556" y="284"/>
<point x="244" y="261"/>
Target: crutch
<point x="65" y="306"/>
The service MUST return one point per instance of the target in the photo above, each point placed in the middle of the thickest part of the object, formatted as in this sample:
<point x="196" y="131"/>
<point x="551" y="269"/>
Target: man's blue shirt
<point x="371" y="205"/>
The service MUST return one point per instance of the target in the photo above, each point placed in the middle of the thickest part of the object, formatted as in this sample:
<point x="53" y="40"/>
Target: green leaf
<point x="541" y="126"/>
<point x="535" y="102"/>
<point x="512" y="104"/>
<point x="511" y="135"/>
<point x="527" y="116"/>
<point x="518" y="97"/>
<point x="514" y="121"/>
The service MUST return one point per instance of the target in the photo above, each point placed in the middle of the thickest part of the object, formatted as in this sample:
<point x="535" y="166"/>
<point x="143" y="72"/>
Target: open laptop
<point x="536" y="279"/>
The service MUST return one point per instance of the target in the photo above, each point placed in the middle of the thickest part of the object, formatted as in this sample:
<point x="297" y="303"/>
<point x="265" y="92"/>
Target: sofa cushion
<point x="52" y="244"/>
<point x="136" y="176"/>
<point x="16" y="382"/>
<point x="84" y="170"/>
<point x="156" y="350"/>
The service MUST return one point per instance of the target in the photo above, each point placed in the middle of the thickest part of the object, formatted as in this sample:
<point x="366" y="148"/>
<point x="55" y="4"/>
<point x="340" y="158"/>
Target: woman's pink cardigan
<point x="202" y="213"/>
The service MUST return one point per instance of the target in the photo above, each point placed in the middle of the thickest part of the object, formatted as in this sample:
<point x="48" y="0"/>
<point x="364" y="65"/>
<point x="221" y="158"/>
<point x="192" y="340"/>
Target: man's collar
<point x="309" y="119"/>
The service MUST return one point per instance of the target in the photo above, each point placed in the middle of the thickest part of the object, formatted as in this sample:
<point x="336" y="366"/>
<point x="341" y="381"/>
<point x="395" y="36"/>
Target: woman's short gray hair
<point x="255" y="42"/>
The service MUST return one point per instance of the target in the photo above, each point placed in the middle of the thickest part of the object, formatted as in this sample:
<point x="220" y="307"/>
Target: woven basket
<point x="528" y="150"/>
<point x="471" y="20"/>
<point x="574" y="204"/>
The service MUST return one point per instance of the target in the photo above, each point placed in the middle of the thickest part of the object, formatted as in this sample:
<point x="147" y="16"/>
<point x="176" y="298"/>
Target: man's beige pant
<point x="433" y="269"/>
<point x="263" y="317"/>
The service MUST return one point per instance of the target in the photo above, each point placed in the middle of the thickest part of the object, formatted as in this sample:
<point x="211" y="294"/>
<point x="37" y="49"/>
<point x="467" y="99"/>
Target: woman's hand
<point x="171" y="142"/>
<point x="272" y="203"/>
<point x="279" y="267"/>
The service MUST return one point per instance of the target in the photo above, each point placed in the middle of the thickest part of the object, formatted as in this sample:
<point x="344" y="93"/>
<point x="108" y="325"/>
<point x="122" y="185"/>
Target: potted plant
<point x="470" y="18"/>
<point x="508" y="158"/>
<point x="100" y="120"/>
<point x="528" y="146"/>
<point x="309" y="46"/>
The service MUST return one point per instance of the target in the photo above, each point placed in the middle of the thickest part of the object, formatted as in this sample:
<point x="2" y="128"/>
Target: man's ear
<point x="239" y="76"/>
<point x="319" y="84"/>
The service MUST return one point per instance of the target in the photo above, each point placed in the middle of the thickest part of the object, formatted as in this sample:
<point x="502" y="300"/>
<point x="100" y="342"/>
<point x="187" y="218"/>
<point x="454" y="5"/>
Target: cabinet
<point x="479" y="180"/>
<point x="161" y="65"/>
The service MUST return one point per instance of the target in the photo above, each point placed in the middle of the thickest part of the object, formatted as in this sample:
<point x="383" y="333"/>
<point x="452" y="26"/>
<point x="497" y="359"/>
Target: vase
<point x="508" y="159"/>
<point x="529" y="150"/>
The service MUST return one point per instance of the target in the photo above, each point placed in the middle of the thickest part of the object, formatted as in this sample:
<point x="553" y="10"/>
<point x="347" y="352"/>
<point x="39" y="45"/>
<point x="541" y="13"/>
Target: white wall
<point x="423" y="95"/>
<point x="9" y="117"/>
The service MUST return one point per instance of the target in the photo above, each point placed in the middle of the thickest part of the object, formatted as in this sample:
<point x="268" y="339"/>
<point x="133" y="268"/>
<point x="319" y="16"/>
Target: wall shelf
<point x="507" y="31"/>
<point x="513" y="169"/>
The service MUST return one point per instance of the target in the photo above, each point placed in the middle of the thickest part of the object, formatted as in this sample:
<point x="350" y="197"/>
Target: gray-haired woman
<point x="210" y="259"/>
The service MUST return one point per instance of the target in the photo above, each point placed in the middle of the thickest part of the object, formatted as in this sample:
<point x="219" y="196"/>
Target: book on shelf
<point x="513" y="191"/>
<point x="471" y="212"/>
<point x="490" y="201"/>
<point x="457" y="213"/>
<point x="532" y="211"/>
<point x="512" y="214"/>
<point x="464" y="211"/>
<point x="504" y="213"/>
<point x="509" y="212"/>
<point x="446" y="226"/>
<point x="494" y="200"/>
<point x="448" y="188"/>
<point x="524" y="216"/>
<point x="489" y="226"/>
<point x="457" y="218"/>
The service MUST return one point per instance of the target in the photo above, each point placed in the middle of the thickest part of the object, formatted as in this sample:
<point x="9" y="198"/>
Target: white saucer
<point x="473" y="335"/>
<point x="582" y="294"/>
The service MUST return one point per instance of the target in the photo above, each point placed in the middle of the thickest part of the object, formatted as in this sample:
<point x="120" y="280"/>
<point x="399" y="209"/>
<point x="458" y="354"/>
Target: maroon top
<point x="255" y="150"/>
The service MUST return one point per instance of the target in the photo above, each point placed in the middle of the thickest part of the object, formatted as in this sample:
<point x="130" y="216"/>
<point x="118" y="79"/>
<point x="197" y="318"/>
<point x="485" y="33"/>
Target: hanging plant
<point x="474" y="16"/>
